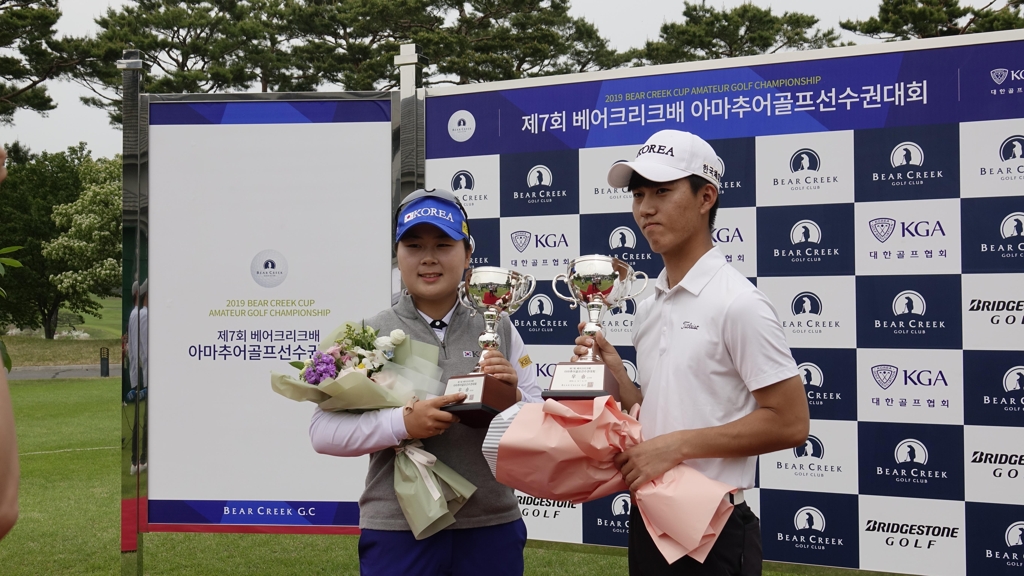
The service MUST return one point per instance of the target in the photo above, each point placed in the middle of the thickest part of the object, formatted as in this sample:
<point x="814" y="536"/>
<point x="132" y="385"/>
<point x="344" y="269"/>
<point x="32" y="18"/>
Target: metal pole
<point x="131" y="79"/>
<point x="408" y="141"/>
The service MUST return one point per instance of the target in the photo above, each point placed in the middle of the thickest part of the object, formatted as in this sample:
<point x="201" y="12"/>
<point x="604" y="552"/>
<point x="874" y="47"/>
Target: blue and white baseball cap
<point x="669" y="155"/>
<point x="435" y="210"/>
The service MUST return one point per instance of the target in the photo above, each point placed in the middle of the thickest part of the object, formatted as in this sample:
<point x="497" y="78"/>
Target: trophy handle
<point x="464" y="300"/>
<point x="638" y="292"/>
<point x="573" y="303"/>
<point x="533" y="286"/>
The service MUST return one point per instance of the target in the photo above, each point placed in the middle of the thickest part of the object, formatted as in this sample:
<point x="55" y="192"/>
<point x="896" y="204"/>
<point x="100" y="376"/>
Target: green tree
<point x="31" y="55"/>
<point x="90" y="242"/>
<point x="707" y="33"/>
<point x="909" y="19"/>
<point x="35" y="184"/>
<point x="190" y="46"/>
<point x="5" y="358"/>
<point x="490" y="40"/>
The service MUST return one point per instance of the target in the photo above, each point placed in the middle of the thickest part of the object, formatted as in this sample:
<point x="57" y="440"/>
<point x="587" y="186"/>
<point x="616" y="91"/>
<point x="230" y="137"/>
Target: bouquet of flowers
<point x="355" y="370"/>
<point x="565" y="450"/>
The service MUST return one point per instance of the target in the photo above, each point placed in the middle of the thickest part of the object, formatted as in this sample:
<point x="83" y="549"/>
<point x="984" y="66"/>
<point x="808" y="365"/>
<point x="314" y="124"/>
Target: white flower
<point x="397" y="337"/>
<point x="384" y="344"/>
<point x="379" y="357"/>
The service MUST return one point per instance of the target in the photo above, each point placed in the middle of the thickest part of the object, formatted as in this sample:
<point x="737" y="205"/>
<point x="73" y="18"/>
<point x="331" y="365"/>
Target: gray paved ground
<point x="50" y="372"/>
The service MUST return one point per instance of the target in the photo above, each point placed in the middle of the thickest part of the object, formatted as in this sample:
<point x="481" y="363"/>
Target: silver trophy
<point x="599" y="283"/>
<point x="490" y="291"/>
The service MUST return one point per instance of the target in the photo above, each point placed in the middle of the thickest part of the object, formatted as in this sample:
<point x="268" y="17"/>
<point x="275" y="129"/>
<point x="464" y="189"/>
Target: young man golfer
<point x="718" y="385"/>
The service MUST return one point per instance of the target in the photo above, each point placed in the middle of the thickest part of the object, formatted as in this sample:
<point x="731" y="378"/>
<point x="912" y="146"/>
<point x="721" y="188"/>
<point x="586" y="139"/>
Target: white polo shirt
<point x="702" y="346"/>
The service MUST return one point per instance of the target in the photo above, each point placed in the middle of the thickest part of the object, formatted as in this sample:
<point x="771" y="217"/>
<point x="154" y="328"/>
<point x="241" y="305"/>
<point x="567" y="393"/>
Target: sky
<point x="72" y="121"/>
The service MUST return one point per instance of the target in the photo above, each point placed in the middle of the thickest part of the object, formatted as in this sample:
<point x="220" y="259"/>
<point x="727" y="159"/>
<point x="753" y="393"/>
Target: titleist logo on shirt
<point x="687" y="325"/>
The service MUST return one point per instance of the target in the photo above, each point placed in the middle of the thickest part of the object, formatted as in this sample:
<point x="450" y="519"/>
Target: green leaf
<point x="297" y="364"/>
<point x="10" y="262"/>
<point x="10" y="249"/>
<point x="5" y="357"/>
<point x="2" y="293"/>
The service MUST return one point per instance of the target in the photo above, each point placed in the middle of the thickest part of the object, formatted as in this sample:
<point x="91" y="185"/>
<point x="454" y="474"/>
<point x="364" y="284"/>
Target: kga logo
<point x="812" y="448"/>
<point x="906" y="154"/>
<point x="809" y="525"/>
<point x="805" y="232"/>
<point x="1013" y="380"/>
<point x="541" y="304"/>
<point x="882" y="228"/>
<point x="884" y="375"/>
<point x="269" y="268"/>
<point x="621" y="505"/>
<point x="806" y="303"/>
<point x="999" y="75"/>
<point x="720" y="235"/>
<point x="622" y="237"/>
<point x="461" y="126"/>
<point x="804" y="160"/>
<point x="521" y="240"/>
<point x="539" y="175"/>
<point x="463" y="181"/>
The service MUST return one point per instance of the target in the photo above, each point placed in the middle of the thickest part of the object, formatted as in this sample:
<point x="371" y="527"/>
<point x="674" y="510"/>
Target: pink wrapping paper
<point x="565" y="450"/>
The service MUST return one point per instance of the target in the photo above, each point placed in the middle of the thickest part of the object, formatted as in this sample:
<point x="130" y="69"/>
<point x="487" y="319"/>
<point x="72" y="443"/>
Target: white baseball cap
<point x="669" y="155"/>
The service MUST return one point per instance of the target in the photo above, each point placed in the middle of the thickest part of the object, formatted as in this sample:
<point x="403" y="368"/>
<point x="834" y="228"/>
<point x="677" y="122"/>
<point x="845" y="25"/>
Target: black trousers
<point x="737" y="552"/>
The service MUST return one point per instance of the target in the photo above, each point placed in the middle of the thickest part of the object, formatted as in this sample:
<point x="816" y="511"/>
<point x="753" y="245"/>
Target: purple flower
<point x="323" y="368"/>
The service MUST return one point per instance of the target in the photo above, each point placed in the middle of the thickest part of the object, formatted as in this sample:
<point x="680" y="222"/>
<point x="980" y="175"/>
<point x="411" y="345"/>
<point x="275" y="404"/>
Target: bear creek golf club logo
<point x="805" y="232"/>
<point x="269" y="268"/>
<point x="908" y="303"/>
<point x="906" y="154"/>
<point x="808" y="532"/>
<point x="806" y="303"/>
<point x="811" y="448"/>
<point x="811" y="374"/>
<point x="541" y="304"/>
<point x="539" y="176"/>
<point x="622" y="237"/>
<point x="1012" y="148"/>
<point x="911" y="451"/>
<point x="463" y="181"/>
<point x="461" y="126"/>
<point x="1011" y="229"/>
<point x="804" y="160"/>
<point x="1013" y="380"/>
<point x="621" y="505"/>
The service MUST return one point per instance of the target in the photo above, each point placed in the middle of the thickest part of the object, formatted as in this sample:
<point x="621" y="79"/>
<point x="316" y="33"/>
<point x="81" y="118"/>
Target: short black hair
<point x="696" y="183"/>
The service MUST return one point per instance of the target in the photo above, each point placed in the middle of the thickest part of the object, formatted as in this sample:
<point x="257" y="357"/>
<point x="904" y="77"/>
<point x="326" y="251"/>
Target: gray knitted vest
<point x="459" y="447"/>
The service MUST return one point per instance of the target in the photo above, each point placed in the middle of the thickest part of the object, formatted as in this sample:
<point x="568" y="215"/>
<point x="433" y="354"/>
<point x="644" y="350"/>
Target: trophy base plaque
<point x="582" y="380"/>
<point x="486" y="397"/>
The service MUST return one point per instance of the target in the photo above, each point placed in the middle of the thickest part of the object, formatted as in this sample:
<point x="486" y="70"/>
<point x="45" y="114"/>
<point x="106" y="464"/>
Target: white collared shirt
<point x="702" y="347"/>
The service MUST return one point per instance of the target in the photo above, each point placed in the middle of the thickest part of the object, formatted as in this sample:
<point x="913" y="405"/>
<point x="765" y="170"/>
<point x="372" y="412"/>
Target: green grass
<point x="108" y="325"/>
<point x="70" y="515"/>
<point x="36" y="351"/>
